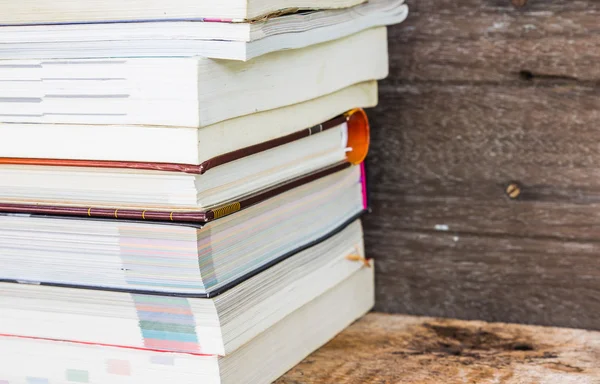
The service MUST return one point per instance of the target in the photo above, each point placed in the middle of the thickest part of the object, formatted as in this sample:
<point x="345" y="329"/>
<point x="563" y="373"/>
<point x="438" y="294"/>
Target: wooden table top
<point x="386" y="349"/>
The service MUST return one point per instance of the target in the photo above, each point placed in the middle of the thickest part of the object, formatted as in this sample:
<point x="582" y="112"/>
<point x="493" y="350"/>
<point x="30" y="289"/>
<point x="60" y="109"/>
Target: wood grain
<point x="482" y="94"/>
<point x="492" y="41"/>
<point x="386" y="349"/>
<point x="499" y="278"/>
<point x="445" y="155"/>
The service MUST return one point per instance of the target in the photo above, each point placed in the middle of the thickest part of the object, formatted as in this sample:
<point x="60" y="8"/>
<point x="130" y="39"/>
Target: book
<point x="203" y="257"/>
<point x="261" y="360"/>
<point x="219" y="40"/>
<point x="209" y="326"/>
<point x="185" y="92"/>
<point x="181" y="185"/>
<point x="77" y="11"/>
<point x="235" y="177"/>
<point x="177" y="145"/>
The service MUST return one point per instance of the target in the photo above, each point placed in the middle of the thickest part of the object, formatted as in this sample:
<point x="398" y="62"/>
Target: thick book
<point x="202" y="257"/>
<point x="184" y="92"/>
<point x="215" y="326"/>
<point x="78" y="11"/>
<point x="155" y="191"/>
<point x="260" y="361"/>
<point x="219" y="40"/>
<point x="178" y="145"/>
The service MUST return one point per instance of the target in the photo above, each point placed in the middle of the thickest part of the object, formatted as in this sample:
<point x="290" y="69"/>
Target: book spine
<point x="105" y="213"/>
<point x="228" y="209"/>
<point x="358" y="140"/>
<point x="168" y="167"/>
<point x="261" y="147"/>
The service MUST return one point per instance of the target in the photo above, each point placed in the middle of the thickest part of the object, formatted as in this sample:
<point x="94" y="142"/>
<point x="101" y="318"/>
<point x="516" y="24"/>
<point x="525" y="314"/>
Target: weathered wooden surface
<point x="394" y="349"/>
<point x="482" y="94"/>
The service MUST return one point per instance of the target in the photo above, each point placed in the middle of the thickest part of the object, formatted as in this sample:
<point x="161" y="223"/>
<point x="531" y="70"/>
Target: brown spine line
<point x="107" y="213"/>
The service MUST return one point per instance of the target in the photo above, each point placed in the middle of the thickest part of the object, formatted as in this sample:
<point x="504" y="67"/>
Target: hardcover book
<point x="194" y="254"/>
<point x="182" y="192"/>
<point x="178" y="145"/>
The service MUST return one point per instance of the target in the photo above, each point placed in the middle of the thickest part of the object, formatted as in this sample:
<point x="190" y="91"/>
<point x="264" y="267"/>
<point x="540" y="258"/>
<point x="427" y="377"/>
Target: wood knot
<point x="519" y="3"/>
<point x="513" y="190"/>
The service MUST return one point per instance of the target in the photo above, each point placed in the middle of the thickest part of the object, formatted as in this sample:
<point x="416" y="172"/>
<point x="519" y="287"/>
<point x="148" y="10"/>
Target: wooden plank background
<point x="482" y="94"/>
<point x="396" y="349"/>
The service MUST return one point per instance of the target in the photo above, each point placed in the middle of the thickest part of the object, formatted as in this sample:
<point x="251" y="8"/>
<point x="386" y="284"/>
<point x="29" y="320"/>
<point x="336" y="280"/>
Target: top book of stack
<point x="76" y="11"/>
<point x="224" y="29"/>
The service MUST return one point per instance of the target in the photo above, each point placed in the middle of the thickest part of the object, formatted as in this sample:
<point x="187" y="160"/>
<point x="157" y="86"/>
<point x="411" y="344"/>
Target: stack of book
<point x="181" y="184"/>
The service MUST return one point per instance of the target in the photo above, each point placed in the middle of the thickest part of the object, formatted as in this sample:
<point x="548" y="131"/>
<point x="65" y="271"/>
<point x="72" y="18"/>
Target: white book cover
<point x="27" y="12"/>
<point x="185" y="92"/>
<point x="219" y="40"/>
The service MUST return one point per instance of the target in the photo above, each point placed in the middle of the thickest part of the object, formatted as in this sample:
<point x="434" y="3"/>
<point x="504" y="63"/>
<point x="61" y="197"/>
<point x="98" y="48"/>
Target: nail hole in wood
<point x="526" y="75"/>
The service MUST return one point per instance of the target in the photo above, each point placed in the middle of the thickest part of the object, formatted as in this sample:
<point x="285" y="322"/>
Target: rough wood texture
<point x="483" y="94"/>
<point x="387" y="349"/>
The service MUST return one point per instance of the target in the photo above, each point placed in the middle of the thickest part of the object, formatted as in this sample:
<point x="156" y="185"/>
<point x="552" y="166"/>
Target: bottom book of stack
<point x="251" y="333"/>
